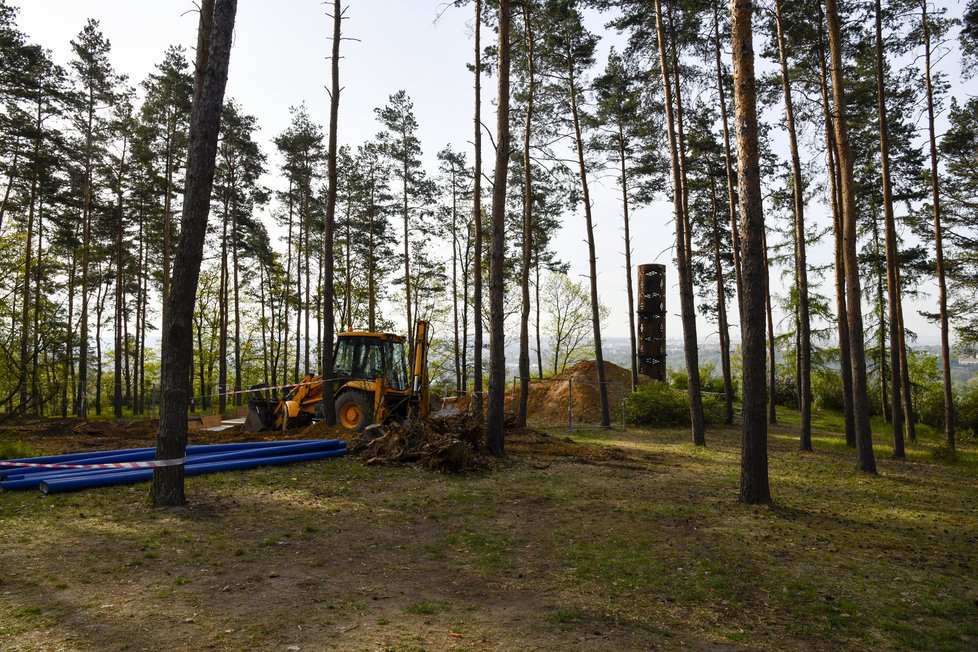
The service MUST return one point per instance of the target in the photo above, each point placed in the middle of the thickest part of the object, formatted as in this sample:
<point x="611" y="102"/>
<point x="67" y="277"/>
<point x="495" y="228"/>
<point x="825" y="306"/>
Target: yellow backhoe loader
<point x="371" y="384"/>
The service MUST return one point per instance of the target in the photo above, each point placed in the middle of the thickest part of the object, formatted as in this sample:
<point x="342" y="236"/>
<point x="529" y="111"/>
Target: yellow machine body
<point x="371" y="384"/>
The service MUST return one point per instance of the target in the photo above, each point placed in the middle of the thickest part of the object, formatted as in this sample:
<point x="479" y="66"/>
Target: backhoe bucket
<point x="260" y="416"/>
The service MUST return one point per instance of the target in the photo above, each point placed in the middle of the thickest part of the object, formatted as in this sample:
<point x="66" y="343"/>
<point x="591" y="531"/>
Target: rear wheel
<point x="354" y="410"/>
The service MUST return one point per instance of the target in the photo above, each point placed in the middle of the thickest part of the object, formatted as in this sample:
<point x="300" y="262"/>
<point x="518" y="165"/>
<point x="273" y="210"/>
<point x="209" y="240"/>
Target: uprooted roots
<point x="448" y="444"/>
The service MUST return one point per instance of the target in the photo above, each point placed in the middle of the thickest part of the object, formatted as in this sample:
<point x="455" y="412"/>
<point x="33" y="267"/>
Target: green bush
<point x="966" y="409"/>
<point x="929" y="403"/>
<point x="662" y="404"/>
<point x="827" y="389"/>
<point x="711" y="381"/>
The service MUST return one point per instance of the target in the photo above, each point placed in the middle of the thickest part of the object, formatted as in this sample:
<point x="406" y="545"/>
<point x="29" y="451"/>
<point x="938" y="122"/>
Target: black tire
<point x="354" y="410"/>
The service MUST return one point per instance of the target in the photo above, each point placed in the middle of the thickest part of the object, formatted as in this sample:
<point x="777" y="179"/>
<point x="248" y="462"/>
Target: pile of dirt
<point x="451" y="444"/>
<point x="576" y="390"/>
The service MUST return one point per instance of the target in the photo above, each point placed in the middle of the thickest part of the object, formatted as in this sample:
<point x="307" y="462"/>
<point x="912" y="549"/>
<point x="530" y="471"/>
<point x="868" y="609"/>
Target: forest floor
<point x="619" y="540"/>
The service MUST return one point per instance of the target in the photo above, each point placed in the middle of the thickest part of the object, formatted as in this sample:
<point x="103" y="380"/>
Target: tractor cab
<point x="371" y="356"/>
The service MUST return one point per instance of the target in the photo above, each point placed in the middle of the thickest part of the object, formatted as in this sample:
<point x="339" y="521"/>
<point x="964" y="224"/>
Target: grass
<point x="651" y="545"/>
<point x="12" y="450"/>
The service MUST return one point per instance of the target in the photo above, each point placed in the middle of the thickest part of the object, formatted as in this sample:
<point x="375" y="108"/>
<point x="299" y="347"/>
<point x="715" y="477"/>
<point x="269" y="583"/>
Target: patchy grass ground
<point x="632" y="541"/>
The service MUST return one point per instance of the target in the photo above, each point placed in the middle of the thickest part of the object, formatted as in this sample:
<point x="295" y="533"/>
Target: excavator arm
<point x="419" y="370"/>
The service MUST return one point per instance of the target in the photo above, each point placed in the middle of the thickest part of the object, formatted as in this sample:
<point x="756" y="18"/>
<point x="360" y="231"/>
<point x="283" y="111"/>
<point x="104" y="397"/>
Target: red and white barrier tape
<point x="114" y="465"/>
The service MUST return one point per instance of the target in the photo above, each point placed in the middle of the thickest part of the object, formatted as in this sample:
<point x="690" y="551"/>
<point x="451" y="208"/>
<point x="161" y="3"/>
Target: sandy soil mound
<point x="577" y="388"/>
<point x="578" y="385"/>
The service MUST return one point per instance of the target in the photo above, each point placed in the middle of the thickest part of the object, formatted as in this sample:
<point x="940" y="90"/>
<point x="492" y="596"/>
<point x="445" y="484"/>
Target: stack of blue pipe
<point x="200" y="459"/>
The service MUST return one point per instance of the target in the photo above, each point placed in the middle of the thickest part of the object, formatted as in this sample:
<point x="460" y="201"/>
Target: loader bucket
<point x="260" y="416"/>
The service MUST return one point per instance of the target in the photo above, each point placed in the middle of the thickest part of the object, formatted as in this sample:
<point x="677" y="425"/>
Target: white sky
<point x="279" y="60"/>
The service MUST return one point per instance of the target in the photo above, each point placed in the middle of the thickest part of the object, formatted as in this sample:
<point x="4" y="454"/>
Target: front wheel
<point x="354" y="410"/>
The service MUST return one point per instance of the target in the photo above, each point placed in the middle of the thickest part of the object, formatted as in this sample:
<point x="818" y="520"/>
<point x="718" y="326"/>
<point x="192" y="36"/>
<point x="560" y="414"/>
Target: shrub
<point x="966" y="409"/>
<point x="827" y="389"/>
<point x="661" y="404"/>
<point x="711" y="380"/>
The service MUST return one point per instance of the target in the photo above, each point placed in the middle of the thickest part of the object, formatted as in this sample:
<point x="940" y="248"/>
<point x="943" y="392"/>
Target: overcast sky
<point x="280" y="60"/>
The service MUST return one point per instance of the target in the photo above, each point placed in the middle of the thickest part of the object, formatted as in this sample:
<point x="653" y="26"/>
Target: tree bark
<point x="477" y="343"/>
<point x="629" y="291"/>
<point x="754" y="486"/>
<point x="82" y="404"/>
<point x="524" y="360"/>
<point x="722" y="325"/>
<point x="497" y="343"/>
<point x="119" y="288"/>
<point x="842" y="320"/>
<point x="892" y="255"/>
<point x="28" y="253"/>
<point x="205" y="119"/>
<point x="329" y="327"/>
<point x="592" y="258"/>
<point x="728" y="161"/>
<point x="804" y="352"/>
<point x="685" y="272"/>
<point x="772" y="377"/>
<point x="860" y="398"/>
<point x="938" y="238"/>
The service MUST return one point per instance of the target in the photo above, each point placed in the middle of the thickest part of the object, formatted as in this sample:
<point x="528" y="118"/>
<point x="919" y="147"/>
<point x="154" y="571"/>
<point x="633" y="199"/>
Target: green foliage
<point x="966" y="410"/>
<point x="12" y="450"/>
<point x="663" y="404"/>
<point x="710" y="381"/>
<point x="827" y="389"/>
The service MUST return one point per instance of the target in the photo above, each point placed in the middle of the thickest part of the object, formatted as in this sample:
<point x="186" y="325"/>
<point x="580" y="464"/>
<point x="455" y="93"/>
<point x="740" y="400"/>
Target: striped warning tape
<point x="114" y="465"/>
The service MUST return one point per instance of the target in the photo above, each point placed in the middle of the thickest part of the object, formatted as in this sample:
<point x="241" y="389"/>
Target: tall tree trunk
<point x="628" y="258"/>
<point x="214" y="50"/>
<point x="772" y="376"/>
<point x="526" y="260"/>
<point x="892" y="255"/>
<point x="497" y="247"/>
<point x="284" y="320"/>
<point x="536" y="324"/>
<point x="329" y="326"/>
<point x="722" y="324"/>
<point x="222" y="307"/>
<point x="860" y="398"/>
<point x="118" y="322"/>
<point x="68" y="374"/>
<point x="82" y="405"/>
<point x="685" y="271"/>
<point x="264" y="325"/>
<point x="103" y="293"/>
<point x="456" y="343"/>
<point x="842" y="320"/>
<point x="938" y="237"/>
<point x="307" y="360"/>
<point x="728" y="160"/>
<point x="477" y="344"/>
<point x="908" y="412"/>
<point x="237" y="300"/>
<point x="168" y="222"/>
<point x="804" y="352"/>
<point x="38" y="279"/>
<point x="407" y="255"/>
<point x="592" y="258"/>
<point x="754" y="487"/>
<point x="139" y="356"/>
<point x="28" y="253"/>
<point x="303" y="232"/>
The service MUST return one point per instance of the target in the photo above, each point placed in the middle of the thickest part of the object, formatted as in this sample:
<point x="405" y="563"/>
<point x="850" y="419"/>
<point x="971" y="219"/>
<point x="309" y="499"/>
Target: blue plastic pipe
<point x="30" y="481"/>
<point x="135" y="455"/>
<point x="141" y="475"/>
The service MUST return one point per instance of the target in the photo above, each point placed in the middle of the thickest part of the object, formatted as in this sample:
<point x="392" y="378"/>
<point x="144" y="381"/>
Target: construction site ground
<point x="584" y="540"/>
